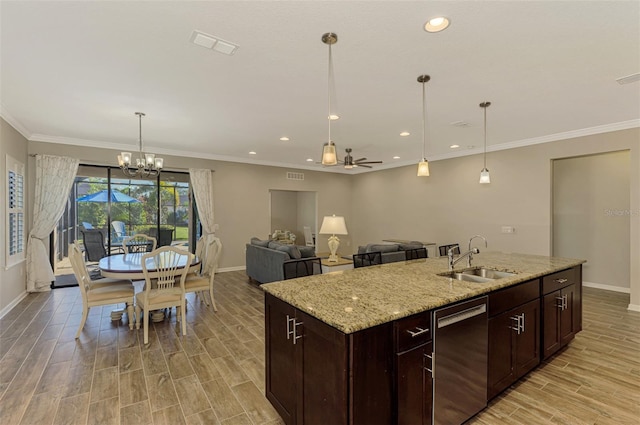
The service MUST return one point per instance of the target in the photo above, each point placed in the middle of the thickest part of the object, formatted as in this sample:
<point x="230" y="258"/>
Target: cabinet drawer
<point x="558" y="280"/>
<point x="412" y="331"/>
<point x="508" y="298"/>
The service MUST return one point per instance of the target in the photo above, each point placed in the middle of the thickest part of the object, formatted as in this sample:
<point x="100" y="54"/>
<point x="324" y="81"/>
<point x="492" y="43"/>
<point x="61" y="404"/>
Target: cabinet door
<point x="567" y="318"/>
<point x="322" y="368"/>
<point x="527" y="346"/>
<point x="415" y="385"/>
<point x="551" y="305"/>
<point x="280" y="377"/>
<point x="501" y="338"/>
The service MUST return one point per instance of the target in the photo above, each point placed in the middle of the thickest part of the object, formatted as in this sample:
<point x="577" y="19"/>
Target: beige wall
<point x="450" y="206"/>
<point x="284" y="211"/>
<point x="241" y="194"/>
<point x="13" y="279"/>
<point x="591" y="215"/>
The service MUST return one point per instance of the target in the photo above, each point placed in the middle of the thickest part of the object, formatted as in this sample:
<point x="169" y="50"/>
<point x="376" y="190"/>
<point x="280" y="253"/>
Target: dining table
<point x="129" y="266"/>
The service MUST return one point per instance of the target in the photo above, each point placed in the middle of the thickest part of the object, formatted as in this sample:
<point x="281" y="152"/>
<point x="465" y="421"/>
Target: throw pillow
<point x="382" y="248"/>
<point x="258" y="242"/>
<point x="307" y="251"/>
<point x="274" y="245"/>
<point x="292" y="250"/>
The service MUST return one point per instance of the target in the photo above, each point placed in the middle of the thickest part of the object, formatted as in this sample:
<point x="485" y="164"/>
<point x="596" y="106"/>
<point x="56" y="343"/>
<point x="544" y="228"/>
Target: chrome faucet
<point x="467" y="254"/>
<point x="472" y="238"/>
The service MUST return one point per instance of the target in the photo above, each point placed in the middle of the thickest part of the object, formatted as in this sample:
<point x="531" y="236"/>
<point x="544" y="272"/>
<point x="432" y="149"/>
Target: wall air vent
<point x="295" y="176"/>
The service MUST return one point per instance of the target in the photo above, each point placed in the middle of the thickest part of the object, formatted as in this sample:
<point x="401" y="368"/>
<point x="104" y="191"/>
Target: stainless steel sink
<point x="466" y="277"/>
<point x="487" y="273"/>
<point x="477" y="275"/>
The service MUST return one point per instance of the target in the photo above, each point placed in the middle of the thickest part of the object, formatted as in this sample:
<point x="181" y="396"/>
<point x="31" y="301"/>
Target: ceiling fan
<point x="349" y="162"/>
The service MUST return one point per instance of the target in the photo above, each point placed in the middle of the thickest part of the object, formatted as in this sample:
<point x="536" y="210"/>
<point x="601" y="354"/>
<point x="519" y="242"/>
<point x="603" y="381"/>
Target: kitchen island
<point x="344" y="347"/>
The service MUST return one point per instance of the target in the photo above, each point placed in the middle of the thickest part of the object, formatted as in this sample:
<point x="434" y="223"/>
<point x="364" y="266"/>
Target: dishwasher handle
<point x="461" y="315"/>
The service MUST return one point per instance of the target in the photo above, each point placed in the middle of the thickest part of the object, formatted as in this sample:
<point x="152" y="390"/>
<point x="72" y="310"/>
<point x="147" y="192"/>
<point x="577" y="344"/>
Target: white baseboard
<point x="13" y="303"/>
<point x="231" y="269"/>
<point x="607" y="287"/>
<point x="634" y="307"/>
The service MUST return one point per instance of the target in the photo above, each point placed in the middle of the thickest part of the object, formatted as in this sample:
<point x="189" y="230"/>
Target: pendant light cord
<point x="485" y="135"/>
<point x="329" y="91"/>
<point x="424" y="120"/>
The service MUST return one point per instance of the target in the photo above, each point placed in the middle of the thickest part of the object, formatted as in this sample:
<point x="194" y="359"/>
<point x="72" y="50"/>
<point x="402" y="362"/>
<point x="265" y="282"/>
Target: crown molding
<point x="14" y="122"/>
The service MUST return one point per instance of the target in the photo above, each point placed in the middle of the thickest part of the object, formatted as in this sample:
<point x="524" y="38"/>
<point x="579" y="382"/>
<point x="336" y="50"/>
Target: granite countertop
<point x="352" y="300"/>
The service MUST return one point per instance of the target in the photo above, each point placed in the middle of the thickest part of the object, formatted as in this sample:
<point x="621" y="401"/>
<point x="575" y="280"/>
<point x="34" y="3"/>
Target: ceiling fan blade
<point x="361" y="159"/>
<point x="370" y="162"/>
<point x="365" y="166"/>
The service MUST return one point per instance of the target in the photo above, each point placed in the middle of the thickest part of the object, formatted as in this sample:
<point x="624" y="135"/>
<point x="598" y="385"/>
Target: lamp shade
<point x="329" y="156"/>
<point x="423" y="168"/>
<point x="332" y="225"/>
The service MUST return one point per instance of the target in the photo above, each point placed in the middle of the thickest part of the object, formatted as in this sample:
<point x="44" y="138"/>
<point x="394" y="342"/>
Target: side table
<point x="334" y="266"/>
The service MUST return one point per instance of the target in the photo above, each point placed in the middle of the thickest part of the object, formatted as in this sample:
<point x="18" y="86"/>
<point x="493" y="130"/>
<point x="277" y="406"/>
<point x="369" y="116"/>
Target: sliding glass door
<point x="103" y="201"/>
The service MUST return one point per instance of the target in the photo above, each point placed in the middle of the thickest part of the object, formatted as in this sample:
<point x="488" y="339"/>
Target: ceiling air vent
<point x="295" y="176"/>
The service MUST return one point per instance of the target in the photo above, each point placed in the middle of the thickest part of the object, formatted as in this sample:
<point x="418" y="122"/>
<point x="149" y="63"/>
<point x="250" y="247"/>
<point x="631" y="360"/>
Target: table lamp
<point x="332" y="225"/>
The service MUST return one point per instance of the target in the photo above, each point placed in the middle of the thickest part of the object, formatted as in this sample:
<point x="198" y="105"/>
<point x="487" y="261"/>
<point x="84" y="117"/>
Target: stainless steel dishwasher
<point x="459" y="361"/>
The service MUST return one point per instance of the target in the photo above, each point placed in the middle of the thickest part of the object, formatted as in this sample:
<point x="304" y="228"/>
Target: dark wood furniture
<point x="301" y="267"/>
<point x="367" y="259"/>
<point x="414" y="254"/>
<point x="561" y="309"/>
<point x="514" y="335"/>
<point x="443" y="250"/>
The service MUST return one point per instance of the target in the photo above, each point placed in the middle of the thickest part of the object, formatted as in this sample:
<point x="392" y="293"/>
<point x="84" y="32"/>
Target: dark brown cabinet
<point x="514" y="335"/>
<point x="316" y="374"/>
<point x="414" y="353"/>
<point x="561" y="309"/>
<point x="559" y="323"/>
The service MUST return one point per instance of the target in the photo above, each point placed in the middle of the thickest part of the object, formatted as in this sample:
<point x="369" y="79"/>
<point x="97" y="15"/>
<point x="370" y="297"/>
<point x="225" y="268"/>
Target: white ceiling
<point x="75" y="72"/>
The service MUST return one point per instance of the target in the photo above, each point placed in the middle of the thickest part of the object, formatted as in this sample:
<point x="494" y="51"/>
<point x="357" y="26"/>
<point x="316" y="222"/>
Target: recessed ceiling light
<point x="405" y="133"/>
<point x="436" y="24"/>
<point x="309" y="159"/>
<point x="284" y="139"/>
<point x="333" y="117"/>
<point x="252" y="153"/>
<point x="396" y="157"/>
<point x="454" y="146"/>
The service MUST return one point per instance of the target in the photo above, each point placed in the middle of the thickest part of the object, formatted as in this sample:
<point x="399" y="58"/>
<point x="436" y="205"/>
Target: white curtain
<point x="54" y="177"/>
<point x="202" y="185"/>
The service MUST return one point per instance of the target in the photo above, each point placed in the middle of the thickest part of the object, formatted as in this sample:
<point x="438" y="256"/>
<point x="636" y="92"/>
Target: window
<point x="15" y="212"/>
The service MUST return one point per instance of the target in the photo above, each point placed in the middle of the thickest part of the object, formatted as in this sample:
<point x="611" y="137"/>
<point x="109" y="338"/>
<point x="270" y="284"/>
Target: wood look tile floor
<point x="215" y="374"/>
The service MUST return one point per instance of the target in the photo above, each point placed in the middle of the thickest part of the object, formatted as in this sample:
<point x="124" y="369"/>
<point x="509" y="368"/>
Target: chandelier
<point x="147" y="165"/>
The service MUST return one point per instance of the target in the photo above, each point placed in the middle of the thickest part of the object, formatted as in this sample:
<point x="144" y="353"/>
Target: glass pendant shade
<point x="423" y="168"/>
<point x="329" y="156"/>
<point x="484" y="176"/>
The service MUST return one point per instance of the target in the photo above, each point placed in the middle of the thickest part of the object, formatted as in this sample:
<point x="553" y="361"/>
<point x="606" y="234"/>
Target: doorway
<point x="292" y="211"/>
<point x="591" y="216"/>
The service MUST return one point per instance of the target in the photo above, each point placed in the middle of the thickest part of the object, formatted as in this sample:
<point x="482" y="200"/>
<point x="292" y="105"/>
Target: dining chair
<point x="414" y="254"/>
<point x="301" y="267"/>
<point x="139" y="243"/>
<point x="202" y="282"/>
<point x="367" y="259"/>
<point x="101" y="291"/>
<point x="443" y="250"/>
<point x="308" y="237"/>
<point x="164" y="284"/>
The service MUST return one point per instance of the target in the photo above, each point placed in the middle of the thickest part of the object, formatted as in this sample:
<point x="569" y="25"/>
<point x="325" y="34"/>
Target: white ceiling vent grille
<point x="295" y="176"/>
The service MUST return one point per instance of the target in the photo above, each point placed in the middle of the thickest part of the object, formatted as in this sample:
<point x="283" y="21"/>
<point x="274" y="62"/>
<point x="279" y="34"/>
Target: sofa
<point x="391" y="252"/>
<point x="265" y="259"/>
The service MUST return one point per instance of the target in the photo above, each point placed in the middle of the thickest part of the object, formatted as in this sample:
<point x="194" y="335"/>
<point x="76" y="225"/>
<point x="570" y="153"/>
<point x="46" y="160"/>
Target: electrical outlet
<point x="508" y="229"/>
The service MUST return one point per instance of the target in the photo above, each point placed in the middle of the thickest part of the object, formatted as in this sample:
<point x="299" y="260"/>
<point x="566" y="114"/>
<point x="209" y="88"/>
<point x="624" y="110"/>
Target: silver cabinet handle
<point x="561" y="304"/>
<point x="426" y="368"/>
<point x="565" y="301"/>
<point x="561" y="280"/>
<point x="417" y="332"/>
<point x="517" y="327"/>
<point x="295" y="333"/>
<point x="521" y="323"/>
<point x="289" y="331"/>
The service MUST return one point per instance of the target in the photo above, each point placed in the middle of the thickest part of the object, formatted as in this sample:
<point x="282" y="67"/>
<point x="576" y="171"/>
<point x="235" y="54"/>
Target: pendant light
<point x="329" y="156"/>
<point x="484" y="174"/>
<point x="423" y="166"/>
